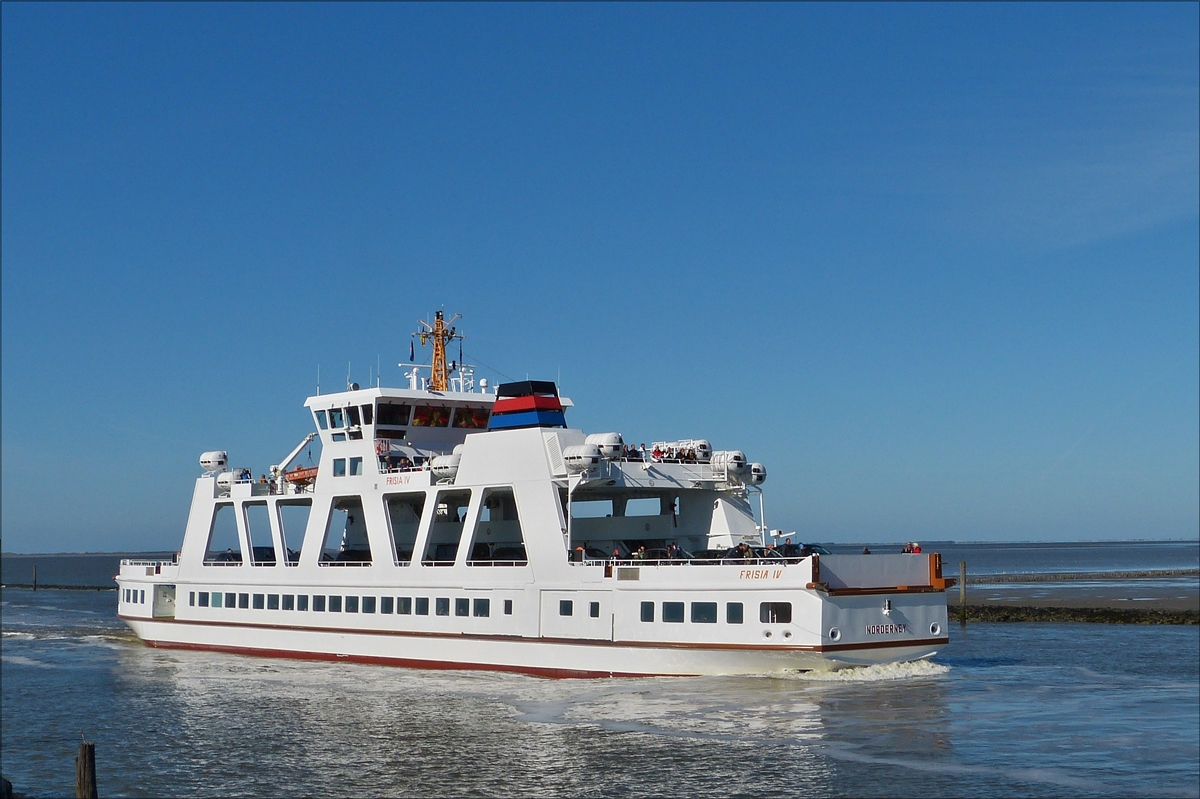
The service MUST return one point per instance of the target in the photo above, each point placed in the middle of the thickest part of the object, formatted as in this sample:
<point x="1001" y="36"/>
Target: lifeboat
<point x="301" y="475"/>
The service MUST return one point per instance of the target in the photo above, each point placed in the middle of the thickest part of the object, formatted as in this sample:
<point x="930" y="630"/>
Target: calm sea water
<point x="1005" y="710"/>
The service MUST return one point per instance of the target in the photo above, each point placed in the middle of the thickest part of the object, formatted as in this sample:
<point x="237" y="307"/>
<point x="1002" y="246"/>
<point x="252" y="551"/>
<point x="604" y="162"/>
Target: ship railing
<point x="497" y="562"/>
<point x="132" y="562"/>
<point x="689" y="562"/>
<point x="214" y="562"/>
<point x="339" y="563"/>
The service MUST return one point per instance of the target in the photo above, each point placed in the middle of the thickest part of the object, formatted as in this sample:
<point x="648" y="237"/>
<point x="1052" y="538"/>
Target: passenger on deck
<point x="744" y="552"/>
<point x="789" y="550"/>
<point x="866" y="551"/>
<point x="643" y="451"/>
<point x="404" y="463"/>
<point x="657" y="454"/>
<point x="908" y="548"/>
<point x="916" y="548"/>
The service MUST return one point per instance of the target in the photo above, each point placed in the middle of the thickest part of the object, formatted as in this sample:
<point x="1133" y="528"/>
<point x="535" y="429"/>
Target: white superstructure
<point x="468" y="529"/>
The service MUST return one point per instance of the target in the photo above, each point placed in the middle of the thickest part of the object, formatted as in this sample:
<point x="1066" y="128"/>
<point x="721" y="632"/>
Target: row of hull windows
<point x="135" y="596"/>
<point x="403" y="415"/>
<point x="333" y="603"/>
<point x="706" y="612"/>
<point x="496" y="537"/>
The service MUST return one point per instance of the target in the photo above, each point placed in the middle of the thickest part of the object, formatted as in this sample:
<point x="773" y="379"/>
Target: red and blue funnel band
<point x="509" y="421"/>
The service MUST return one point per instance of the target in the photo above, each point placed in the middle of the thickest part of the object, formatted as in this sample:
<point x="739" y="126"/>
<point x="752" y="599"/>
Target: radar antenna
<point x="439" y="333"/>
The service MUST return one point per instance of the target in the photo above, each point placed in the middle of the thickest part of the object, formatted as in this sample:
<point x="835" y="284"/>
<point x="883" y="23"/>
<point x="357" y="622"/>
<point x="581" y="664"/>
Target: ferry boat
<point x="455" y="527"/>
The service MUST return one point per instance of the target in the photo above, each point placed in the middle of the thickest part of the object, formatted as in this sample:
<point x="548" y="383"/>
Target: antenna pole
<point x="440" y="334"/>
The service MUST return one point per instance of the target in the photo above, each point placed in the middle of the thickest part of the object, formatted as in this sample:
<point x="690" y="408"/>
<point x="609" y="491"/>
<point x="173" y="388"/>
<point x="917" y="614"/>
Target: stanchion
<point x="962" y="592"/>
<point x="85" y="771"/>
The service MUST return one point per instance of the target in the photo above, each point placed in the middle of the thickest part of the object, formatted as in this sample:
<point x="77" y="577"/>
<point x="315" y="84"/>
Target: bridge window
<point x="497" y="538"/>
<point x="404" y="516"/>
<point x="775" y="612"/>
<point x="393" y="415"/>
<point x="352" y="415"/>
<point x="346" y="534"/>
<point x="224" y="543"/>
<point x="450" y="516"/>
<point x="321" y="420"/>
<point x="431" y="416"/>
<point x="473" y="418"/>
<point x="336" y="420"/>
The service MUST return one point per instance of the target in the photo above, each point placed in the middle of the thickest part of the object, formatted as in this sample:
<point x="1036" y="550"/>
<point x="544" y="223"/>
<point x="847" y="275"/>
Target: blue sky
<point x="935" y="265"/>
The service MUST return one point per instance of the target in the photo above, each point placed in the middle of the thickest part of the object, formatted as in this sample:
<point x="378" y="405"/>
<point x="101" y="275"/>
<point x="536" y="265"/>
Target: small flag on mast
<point x="412" y="355"/>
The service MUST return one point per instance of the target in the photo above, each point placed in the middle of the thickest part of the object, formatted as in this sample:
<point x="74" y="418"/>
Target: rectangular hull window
<point x="775" y="612"/>
<point x="647" y="611"/>
<point x="704" y="613"/>
<point x="673" y="612"/>
<point x="733" y="612"/>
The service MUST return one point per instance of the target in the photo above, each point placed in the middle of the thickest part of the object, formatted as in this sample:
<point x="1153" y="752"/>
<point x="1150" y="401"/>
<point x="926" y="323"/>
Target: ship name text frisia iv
<point x="450" y="526"/>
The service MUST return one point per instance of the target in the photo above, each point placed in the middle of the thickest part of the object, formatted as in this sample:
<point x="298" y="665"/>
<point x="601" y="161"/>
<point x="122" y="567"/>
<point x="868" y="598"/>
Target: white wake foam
<point x="879" y="672"/>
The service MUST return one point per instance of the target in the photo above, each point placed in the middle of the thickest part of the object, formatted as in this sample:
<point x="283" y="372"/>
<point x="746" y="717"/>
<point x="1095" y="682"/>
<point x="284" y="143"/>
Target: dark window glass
<point x="203" y="599"/>
<point x="339" y="436"/>
<point x="594" y="610"/>
<point x="508" y="607"/>
<point x="259" y="601"/>
<point x="335" y="418"/>
<point x="352" y="604"/>
<point x="302" y="602"/>
<point x="404" y="605"/>
<point x="396" y="434"/>
<point x="355" y="435"/>
<point x="647" y="611"/>
<point x="704" y="612"/>
<point x="243" y="601"/>
<point x="443" y="606"/>
<point x="462" y="606"/>
<point x="775" y="612"/>
<point x="475" y="418"/>
<point x="565" y="607"/>
<point x="394" y="415"/>
<point x="319" y="603"/>
<point x="431" y="416"/>
<point x="272" y="601"/>
<point x="289" y="602"/>
<point x="733" y="613"/>
<point x="483" y="607"/>
<point x="191" y="597"/>
<point x="324" y="425"/>
<point x="673" y="612"/>
<point x="352" y="415"/>
<point x="339" y="467"/>
<point x="386" y="604"/>
<point x="366" y="409"/>
<point x="422" y="604"/>
<point x="368" y="604"/>
<point x="335" y="604"/>
<point x="356" y="465"/>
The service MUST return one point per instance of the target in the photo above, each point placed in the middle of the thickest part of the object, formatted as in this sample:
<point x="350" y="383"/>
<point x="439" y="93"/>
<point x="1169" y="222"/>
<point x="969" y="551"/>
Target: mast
<point x="440" y="334"/>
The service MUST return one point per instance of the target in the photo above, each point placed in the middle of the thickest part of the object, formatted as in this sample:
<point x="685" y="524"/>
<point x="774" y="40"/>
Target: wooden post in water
<point x="962" y="591"/>
<point x="85" y="771"/>
<point x="35" y="577"/>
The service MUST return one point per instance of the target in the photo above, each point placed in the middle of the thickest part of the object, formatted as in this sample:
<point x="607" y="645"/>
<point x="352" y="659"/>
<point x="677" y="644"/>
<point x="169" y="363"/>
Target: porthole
<point x="935" y="629"/>
<point x="787" y="634"/>
<point x="766" y="633"/>
<point x="834" y="633"/>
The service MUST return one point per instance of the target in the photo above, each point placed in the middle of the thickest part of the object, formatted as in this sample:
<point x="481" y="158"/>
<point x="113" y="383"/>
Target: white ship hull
<point x="439" y="531"/>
